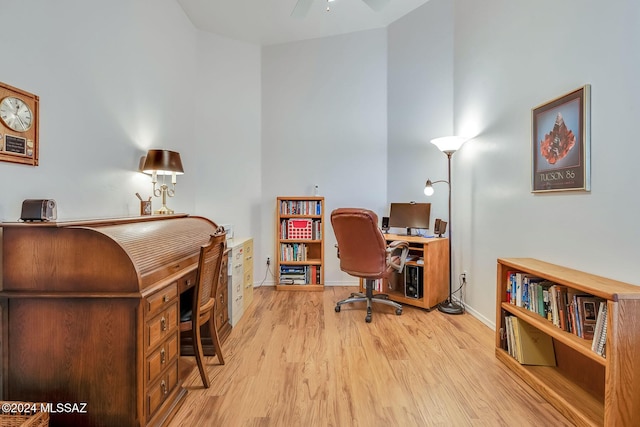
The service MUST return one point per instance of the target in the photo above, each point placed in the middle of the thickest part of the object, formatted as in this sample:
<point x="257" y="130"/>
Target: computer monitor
<point x="409" y="215"/>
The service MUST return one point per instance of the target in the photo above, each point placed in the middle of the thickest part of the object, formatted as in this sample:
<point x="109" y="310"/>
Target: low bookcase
<point x="589" y="389"/>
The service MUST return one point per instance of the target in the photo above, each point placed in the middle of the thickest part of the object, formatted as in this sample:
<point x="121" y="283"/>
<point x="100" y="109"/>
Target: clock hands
<point x="24" y="126"/>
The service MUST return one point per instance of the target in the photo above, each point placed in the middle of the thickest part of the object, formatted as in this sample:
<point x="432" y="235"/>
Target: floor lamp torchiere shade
<point x="448" y="145"/>
<point x="163" y="162"/>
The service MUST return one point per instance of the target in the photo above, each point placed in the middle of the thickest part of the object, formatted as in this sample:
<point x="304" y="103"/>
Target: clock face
<point x="16" y="114"/>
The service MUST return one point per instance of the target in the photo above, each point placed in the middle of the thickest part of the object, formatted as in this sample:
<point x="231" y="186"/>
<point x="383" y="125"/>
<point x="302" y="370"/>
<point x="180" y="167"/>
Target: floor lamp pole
<point x="449" y="307"/>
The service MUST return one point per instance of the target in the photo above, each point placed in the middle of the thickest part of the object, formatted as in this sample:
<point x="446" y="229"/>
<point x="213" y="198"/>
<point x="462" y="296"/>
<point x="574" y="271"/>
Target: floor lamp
<point x="448" y="145"/>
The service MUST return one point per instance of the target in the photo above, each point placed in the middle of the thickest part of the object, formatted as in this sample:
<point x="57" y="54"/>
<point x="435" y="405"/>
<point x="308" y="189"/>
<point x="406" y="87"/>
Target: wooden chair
<point x="204" y="300"/>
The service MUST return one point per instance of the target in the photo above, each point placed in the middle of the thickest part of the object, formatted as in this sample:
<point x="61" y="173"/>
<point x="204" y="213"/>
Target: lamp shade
<point x="449" y="144"/>
<point x="163" y="162"/>
<point x="428" y="188"/>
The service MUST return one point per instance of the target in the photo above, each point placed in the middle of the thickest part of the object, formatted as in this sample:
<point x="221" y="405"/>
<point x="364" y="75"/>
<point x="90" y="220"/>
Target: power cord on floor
<point x="461" y="281"/>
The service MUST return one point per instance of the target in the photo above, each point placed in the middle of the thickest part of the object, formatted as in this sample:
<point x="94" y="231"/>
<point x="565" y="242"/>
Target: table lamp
<point x="163" y="162"/>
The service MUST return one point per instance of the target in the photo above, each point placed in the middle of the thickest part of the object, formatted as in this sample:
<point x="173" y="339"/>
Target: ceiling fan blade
<point x="301" y="9"/>
<point x="376" y="5"/>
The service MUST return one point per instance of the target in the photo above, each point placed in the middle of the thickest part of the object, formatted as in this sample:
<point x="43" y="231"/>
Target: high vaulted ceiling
<point x="270" y="22"/>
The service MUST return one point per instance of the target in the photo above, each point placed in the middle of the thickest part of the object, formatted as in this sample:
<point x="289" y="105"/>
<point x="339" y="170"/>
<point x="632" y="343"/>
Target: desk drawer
<point x="237" y="256"/>
<point x="161" y="358"/>
<point x="160" y="299"/>
<point x="187" y="281"/>
<point x="157" y="393"/>
<point x="248" y="250"/>
<point x="161" y="326"/>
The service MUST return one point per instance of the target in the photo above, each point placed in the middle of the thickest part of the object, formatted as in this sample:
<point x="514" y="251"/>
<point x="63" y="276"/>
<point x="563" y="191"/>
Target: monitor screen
<point x="409" y="215"/>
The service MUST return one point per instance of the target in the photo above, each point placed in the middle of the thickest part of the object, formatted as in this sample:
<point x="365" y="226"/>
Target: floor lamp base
<point x="449" y="307"/>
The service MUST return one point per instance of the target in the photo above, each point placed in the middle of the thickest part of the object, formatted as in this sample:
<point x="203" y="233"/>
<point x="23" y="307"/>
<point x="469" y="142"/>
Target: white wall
<point x="113" y="79"/>
<point x="509" y="58"/>
<point x="420" y="103"/>
<point x="324" y="122"/>
<point x="227" y="155"/>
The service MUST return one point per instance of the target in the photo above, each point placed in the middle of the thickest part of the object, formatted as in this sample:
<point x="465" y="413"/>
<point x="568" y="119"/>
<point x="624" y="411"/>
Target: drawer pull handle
<point x="163" y="386"/>
<point x="163" y="324"/>
<point x="162" y="357"/>
<point x="165" y="298"/>
<point x="188" y="282"/>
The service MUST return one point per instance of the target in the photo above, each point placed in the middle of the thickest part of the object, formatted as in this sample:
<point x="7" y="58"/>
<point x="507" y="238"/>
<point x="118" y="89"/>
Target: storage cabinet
<point x="300" y="243"/>
<point x="589" y="389"/>
<point x="425" y="280"/>
<point x="247" y="269"/>
<point x="240" y="277"/>
<point x="222" y="304"/>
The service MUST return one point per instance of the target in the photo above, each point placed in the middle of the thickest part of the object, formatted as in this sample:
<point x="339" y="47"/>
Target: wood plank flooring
<point x="293" y="361"/>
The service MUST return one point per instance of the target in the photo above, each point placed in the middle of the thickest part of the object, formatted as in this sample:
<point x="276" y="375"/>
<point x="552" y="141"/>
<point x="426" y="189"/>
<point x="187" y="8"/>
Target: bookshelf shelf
<point x="578" y="344"/>
<point x="589" y="389"/>
<point x="300" y="243"/>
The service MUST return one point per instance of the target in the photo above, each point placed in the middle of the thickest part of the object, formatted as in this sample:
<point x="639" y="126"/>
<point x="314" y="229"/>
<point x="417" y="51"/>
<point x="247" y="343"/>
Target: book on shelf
<point x="588" y="308"/>
<point x="598" y="345"/>
<point x="533" y="347"/>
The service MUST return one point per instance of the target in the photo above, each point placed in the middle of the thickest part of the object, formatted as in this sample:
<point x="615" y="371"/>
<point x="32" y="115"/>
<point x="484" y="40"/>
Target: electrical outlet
<point x="463" y="277"/>
<point x="268" y="261"/>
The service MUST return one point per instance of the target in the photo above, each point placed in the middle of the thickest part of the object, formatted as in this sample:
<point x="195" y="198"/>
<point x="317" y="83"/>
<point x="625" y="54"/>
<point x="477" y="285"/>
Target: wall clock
<point x="18" y="125"/>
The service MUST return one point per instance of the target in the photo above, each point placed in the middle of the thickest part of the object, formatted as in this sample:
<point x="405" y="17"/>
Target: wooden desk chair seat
<point x="203" y="308"/>
<point x="364" y="253"/>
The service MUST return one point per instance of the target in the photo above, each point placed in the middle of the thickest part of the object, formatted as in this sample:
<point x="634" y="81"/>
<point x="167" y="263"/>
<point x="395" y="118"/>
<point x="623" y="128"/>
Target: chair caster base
<point x="398" y="311"/>
<point x="337" y="309"/>
<point x="368" y="318"/>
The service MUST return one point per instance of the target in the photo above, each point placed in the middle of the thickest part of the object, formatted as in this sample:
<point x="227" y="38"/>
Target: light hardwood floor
<point x="293" y="361"/>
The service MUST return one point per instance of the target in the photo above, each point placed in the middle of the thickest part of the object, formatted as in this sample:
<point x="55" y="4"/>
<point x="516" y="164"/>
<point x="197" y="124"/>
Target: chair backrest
<point x="361" y="245"/>
<point x="208" y="275"/>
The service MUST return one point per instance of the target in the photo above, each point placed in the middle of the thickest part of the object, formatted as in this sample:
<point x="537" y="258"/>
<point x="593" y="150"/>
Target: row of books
<point x="527" y="344"/>
<point x="300" y="207"/>
<point x="293" y="252"/>
<point x="300" y="275"/>
<point x="567" y="308"/>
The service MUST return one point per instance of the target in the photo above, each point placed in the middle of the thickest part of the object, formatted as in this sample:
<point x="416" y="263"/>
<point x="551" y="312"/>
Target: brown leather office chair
<point x="364" y="253"/>
<point x="204" y="301"/>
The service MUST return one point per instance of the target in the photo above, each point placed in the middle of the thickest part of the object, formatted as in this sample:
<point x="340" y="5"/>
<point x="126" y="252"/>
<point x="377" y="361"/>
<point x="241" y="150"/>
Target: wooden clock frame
<point x="20" y="147"/>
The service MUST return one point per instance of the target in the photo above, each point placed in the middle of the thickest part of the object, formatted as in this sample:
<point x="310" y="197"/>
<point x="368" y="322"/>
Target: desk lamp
<point x="163" y="162"/>
<point x="448" y="145"/>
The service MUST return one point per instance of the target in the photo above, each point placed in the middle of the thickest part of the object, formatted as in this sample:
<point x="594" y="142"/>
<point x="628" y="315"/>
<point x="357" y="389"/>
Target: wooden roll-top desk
<point x="90" y="314"/>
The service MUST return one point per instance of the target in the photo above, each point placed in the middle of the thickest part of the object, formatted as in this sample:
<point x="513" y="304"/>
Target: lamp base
<point x="164" y="211"/>
<point x="449" y="307"/>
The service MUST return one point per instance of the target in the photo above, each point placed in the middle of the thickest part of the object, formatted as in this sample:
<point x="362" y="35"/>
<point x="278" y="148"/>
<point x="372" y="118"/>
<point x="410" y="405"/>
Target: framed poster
<point x="560" y="142"/>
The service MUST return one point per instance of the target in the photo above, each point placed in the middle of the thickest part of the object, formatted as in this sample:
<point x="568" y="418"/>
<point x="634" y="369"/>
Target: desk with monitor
<point x="425" y="280"/>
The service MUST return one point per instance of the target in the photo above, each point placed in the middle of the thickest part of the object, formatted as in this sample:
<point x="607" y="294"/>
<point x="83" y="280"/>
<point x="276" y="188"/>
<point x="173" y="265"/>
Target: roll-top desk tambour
<point x="90" y="313"/>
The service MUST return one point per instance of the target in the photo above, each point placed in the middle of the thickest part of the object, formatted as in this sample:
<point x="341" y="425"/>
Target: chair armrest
<point x="397" y="252"/>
